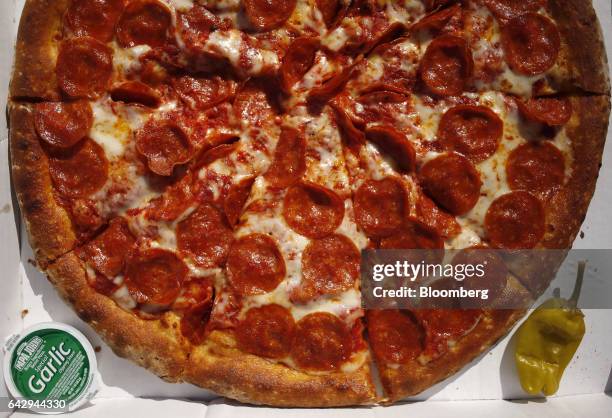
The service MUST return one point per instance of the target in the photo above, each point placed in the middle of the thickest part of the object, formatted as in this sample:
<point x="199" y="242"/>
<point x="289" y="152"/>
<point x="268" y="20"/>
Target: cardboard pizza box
<point x="483" y="388"/>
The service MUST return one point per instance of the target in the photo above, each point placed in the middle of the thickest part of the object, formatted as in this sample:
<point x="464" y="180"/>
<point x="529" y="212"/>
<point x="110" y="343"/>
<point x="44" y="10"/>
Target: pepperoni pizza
<point x="198" y="178"/>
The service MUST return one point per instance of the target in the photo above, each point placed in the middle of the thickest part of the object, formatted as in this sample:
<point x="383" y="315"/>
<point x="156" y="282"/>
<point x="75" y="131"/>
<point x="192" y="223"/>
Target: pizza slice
<point x="125" y="130"/>
<point x="416" y="349"/>
<point x="150" y="270"/>
<point x="291" y="303"/>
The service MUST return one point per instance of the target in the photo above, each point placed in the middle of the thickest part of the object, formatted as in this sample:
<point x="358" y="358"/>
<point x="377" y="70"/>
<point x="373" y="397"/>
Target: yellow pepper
<point x="547" y="341"/>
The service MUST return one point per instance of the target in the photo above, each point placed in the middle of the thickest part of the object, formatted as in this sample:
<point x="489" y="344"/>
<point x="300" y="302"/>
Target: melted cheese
<point x="123" y="298"/>
<point x="108" y="130"/>
<point x="231" y="44"/>
<point x="180" y="5"/>
<point x="127" y="60"/>
<point x="324" y="166"/>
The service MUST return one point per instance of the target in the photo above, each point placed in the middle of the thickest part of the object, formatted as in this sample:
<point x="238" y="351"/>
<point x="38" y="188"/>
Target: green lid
<point x="51" y="361"/>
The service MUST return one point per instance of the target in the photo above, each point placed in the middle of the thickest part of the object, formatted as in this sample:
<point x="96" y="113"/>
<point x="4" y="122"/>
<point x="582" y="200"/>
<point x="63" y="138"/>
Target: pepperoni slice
<point x="351" y="135"/>
<point x="395" y="144"/>
<point x="95" y="18"/>
<point x="429" y="213"/>
<point x="474" y="131"/>
<point x="226" y="308"/>
<point x="537" y="167"/>
<point x="362" y="7"/>
<point x="164" y="144"/>
<point x="289" y="162"/>
<point x="63" y="124"/>
<point x="330" y="10"/>
<point x="266" y="331"/>
<point x="379" y="94"/>
<point x="236" y="199"/>
<point x="551" y="111"/>
<point x="136" y="92"/>
<point x="380" y="206"/>
<point x="151" y="70"/>
<point x="435" y="4"/>
<point x="203" y="93"/>
<point x="176" y="199"/>
<point x="389" y="92"/>
<point x="85" y="216"/>
<point x="252" y="104"/>
<point x="195" y="319"/>
<point x="265" y="15"/>
<point x="193" y="323"/>
<point x="154" y="276"/>
<point x="195" y="292"/>
<point x="206" y="236"/>
<point x="515" y="221"/>
<point x="333" y="85"/>
<point x="443" y="326"/>
<point x="395" y="337"/>
<point x="255" y="265"/>
<point x="452" y="181"/>
<point x="79" y="171"/>
<point x="322" y="342"/>
<point x="102" y="284"/>
<point x="107" y="252"/>
<point x="214" y="154"/>
<point x="412" y="235"/>
<point x="312" y="210"/>
<point x="437" y="20"/>
<point x="447" y="65"/>
<point x="298" y="59"/>
<point x="531" y="43"/>
<point x="381" y="106"/>
<point x="381" y="37"/>
<point x="195" y="26"/>
<point x="144" y="22"/>
<point x="495" y="272"/>
<point x="505" y="10"/>
<point x="329" y="266"/>
<point x="83" y="67"/>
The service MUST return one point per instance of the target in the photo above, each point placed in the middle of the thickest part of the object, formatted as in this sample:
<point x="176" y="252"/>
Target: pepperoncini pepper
<point x="548" y="340"/>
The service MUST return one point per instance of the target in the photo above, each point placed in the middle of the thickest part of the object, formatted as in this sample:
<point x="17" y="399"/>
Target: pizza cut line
<point x="198" y="178"/>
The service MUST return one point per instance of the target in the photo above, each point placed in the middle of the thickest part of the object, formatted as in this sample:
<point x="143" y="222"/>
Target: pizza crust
<point x="587" y="134"/>
<point x="36" y="50"/>
<point x="158" y="346"/>
<point x="221" y="367"/>
<point x="567" y="209"/>
<point x="579" y="26"/>
<point x="154" y="344"/>
<point x="412" y="378"/>
<point x="48" y="224"/>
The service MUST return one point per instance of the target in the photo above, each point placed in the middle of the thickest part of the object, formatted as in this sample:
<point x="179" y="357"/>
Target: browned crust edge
<point x="413" y="377"/>
<point x="567" y="209"/>
<point x="48" y="224"/>
<point x="158" y="346"/>
<point x="36" y="50"/>
<point x="587" y="134"/>
<point x="154" y="344"/>
<point x="579" y="26"/>
<point x="226" y="370"/>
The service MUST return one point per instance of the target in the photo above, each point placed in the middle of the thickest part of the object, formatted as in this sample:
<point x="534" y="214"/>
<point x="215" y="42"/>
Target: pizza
<point x="198" y="178"/>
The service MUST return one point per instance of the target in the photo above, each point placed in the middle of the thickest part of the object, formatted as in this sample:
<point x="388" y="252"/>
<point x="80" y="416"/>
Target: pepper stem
<point x="573" y="301"/>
